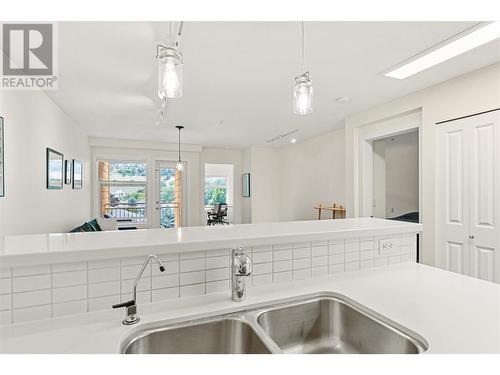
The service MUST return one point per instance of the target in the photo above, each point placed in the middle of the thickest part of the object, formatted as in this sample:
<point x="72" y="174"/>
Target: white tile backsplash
<point x="130" y="272"/>
<point x="301" y="263"/>
<point x="262" y="257"/>
<point x="103" y="303"/>
<point x="31" y="270"/>
<point x="45" y="291"/>
<point x="5" y="302"/>
<point x="32" y="313"/>
<point x="69" y="267"/>
<point x="189" y="265"/>
<point x="70" y="293"/>
<point x="285" y="265"/>
<point x="5" y="286"/>
<point x="127" y="285"/>
<point x="280" y="255"/>
<point x="317" y="251"/>
<point x="319" y="271"/>
<point x="302" y="252"/>
<point x="107" y="263"/>
<point x="189" y="278"/>
<point x="319" y="261"/>
<point x="6" y="317"/>
<point x="108" y="288"/>
<point x="259" y="280"/>
<point x="281" y="277"/>
<point x="217" y="262"/>
<point x="165" y="281"/>
<point x="62" y="279"/>
<point x="192" y="290"/>
<point x="5" y="273"/>
<point x="165" y="294"/>
<point x="34" y="298"/>
<point x="218" y="286"/>
<point x="301" y="274"/>
<point x="69" y="308"/>
<point x="262" y="268"/>
<point x="217" y="274"/>
<point x="103" y="274"/>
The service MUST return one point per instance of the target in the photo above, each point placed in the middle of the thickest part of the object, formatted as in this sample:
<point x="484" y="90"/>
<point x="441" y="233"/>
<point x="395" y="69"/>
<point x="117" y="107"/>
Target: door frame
<point x="370" y="134"/>
<point x="156" y="191"/>
<point x="401" y="124"/>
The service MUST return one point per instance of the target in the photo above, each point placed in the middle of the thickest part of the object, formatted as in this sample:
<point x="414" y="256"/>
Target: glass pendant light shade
<point x="180" y="166"/>
<point x="169" y="72"/>
<point x="303" y="94"/>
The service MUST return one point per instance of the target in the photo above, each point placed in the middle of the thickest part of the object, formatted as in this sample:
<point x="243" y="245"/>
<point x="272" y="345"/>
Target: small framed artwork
<point x="246" y="185"/>
<point x="55" y="169"/>
<point x="2" y="169"/>
<point x="67" y="172"/>
<point x="77" y="174"/>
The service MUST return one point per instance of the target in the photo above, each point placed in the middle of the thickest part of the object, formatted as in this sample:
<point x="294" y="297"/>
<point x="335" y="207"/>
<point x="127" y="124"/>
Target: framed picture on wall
<point x="246" y="185"/>
<point x="2" y="169"/>
<point x="55" y="169"/>
<point x="67" y="172"/>
<point x="77" y="174"/>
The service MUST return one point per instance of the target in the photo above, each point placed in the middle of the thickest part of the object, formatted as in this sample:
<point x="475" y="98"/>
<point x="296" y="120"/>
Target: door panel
<point x="453" y="199"/>
<point x="485" y="195"/>
<point x="469" y="196"/>
<point x="456" y="253"/>
<point x="482" y="263"/>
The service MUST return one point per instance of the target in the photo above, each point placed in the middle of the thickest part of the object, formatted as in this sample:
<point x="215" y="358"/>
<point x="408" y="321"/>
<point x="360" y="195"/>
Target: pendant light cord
<point x="179" y="148"/>
<point x="302" y="66"/>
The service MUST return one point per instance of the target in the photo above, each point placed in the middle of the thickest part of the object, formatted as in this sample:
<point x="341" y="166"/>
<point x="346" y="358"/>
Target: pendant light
<point x="303" y="90"/>
<point x="170" y="65"/>
<point x="180" y="165"/>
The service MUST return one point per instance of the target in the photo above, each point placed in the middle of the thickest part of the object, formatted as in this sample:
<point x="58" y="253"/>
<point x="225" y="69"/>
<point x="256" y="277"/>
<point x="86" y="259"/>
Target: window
<point x="122" y="187"/>
<point x="215" y="190"/>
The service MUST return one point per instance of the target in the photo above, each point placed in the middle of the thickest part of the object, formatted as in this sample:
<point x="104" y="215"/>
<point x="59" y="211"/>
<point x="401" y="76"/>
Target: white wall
<point x="265" y="185"/>
<point x="401" y="174"/>
<point x="225" y="156"/>
<point x="468" y="94"/>
<point x="379" y="207"/>
<point x="311" y="172"/>
<point x="32" y="123"/>
<point x="150" y="152"/>
<point x="246" y="202"/>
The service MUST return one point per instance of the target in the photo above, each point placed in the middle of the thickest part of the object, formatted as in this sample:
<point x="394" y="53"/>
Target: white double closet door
<point x="469" y="196"/>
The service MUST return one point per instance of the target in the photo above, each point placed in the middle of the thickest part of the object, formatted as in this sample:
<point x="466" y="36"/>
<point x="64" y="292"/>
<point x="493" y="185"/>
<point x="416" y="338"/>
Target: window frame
<point x="145" y="184"/>
<point x="226" y="187"/>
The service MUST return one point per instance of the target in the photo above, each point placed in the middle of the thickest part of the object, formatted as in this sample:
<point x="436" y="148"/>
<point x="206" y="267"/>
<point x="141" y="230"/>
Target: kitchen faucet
<point x="241" y="267"/>
<point x="131" y="316"/>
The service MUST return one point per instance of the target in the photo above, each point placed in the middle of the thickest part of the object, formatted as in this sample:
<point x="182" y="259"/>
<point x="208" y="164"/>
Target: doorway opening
<point x="396" y="177"/>
<point x="218" y="190"/>
<point x="170" y="203"/>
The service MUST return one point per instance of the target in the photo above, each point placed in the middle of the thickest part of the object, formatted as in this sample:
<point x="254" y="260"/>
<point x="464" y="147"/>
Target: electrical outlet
<point x="385" y="246"/>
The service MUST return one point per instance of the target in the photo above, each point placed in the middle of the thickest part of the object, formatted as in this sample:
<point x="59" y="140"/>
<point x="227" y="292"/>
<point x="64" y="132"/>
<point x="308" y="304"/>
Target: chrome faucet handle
<point x="242" y="265"/>
<point x="130" y="312"/>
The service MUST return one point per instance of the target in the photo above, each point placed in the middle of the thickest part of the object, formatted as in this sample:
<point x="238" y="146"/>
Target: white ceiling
<point x="241" y="73"/>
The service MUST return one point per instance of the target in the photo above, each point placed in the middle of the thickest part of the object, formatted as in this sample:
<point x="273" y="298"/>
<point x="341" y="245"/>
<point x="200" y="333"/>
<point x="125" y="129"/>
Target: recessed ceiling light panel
<point x="463" y="42"/>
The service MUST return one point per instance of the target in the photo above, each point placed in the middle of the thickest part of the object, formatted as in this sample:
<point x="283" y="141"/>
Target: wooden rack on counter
<point x="334" y="210"/>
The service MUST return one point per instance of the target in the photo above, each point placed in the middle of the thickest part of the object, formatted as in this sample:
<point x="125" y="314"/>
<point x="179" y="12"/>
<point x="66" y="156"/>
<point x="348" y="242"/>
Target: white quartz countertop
<point x="452" y="312"/>
<point x="25" y="250"/>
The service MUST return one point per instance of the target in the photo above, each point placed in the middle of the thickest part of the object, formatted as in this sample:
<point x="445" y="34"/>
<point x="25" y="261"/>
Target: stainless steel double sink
<point x="322" y="323"/>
